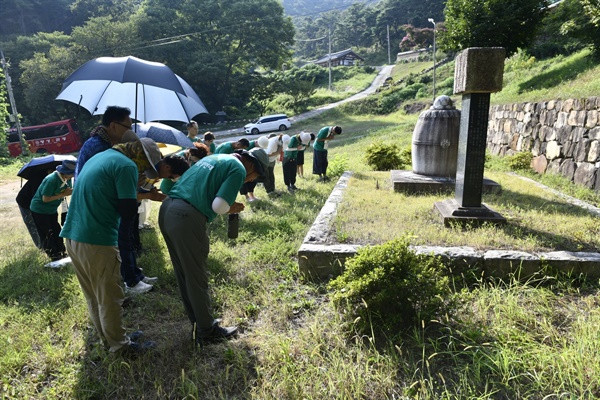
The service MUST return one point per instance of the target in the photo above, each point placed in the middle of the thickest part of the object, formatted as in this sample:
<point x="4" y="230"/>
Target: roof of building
<point x="335" y="56"/>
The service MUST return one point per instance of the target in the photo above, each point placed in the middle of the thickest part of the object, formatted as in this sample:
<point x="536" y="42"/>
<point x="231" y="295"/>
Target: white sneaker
<point x="150" y="279"/>
<point x="140" y="288"/>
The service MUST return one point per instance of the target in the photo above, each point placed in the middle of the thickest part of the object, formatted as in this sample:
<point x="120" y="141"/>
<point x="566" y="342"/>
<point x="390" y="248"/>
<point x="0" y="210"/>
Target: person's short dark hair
<point x="312" y="136"/>
<point x="191" y="124"/>
<point x="209" y="136"/>
<point x="200" y="150"/>
<point x="244" y="142"/>
<point x="337" y="130"/>
<point x="177" y="163"/>
<point x="115" y="114"/>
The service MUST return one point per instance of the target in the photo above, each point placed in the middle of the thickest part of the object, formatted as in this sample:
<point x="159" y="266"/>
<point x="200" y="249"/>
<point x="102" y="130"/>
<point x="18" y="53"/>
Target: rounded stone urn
<point x="435" y="140"/>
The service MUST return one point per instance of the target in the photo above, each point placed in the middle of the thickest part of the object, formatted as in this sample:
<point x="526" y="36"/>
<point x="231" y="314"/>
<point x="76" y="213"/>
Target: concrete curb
<point x="319" y="259"/>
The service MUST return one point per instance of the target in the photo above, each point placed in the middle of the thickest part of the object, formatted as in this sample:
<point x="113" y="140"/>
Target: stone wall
<point x="562" y="135"/>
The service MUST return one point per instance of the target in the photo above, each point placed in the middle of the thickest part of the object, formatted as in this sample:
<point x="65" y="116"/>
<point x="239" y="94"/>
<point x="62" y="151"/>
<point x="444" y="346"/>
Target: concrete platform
<point x="450" y="211"/>
<point x="409" y="182"/>
<point x="320" y="259"/>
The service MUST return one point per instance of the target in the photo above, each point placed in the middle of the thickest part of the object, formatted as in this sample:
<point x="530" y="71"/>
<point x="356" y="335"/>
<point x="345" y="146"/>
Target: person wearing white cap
<point x="105" y="193"/>
<point x="44" y="205"/>
<point x="305" y="138"/>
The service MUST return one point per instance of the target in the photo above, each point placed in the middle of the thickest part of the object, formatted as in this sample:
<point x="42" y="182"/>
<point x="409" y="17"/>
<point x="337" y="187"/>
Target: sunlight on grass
<point x="512" y="339"/>
<point x="537" y="220"/>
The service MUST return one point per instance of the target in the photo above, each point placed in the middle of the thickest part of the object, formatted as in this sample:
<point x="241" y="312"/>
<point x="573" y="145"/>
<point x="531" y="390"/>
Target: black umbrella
<point x="151" y="90"/>
<point x="41" y="164"/>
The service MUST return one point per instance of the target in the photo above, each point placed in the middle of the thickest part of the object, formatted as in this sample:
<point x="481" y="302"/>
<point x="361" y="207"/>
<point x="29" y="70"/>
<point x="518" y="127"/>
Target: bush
<point x="390" y="288"/>
<point x="520" y="161"/>
<point x="383" y="157"/>
<point x="337" y="165"/>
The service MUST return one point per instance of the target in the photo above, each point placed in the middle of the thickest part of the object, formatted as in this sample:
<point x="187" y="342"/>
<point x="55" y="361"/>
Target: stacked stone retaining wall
<point x="562" y="135"/>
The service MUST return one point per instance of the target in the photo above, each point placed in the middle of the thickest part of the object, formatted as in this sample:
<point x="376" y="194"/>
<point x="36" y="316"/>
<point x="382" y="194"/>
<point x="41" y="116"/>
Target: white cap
<point x="263" y="142"/>
<point x="304" y="137"/>
<point x="285" y="138"/>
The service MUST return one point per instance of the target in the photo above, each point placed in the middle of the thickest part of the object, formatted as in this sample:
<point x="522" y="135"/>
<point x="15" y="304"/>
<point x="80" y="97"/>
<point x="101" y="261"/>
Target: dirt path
<point x="9" y="210"/>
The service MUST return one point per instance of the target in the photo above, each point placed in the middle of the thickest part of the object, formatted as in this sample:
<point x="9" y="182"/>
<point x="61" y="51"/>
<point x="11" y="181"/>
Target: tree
<point x="491" y="23"/>
<point x="4" y="113"/>
<point x="216" y="44"/>
<point x="395" y="13"/>
<point x="31" y="16"/>
<point x="416" y="38"/>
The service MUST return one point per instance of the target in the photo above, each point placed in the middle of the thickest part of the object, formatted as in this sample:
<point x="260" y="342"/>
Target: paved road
<point x="384" y="73"/>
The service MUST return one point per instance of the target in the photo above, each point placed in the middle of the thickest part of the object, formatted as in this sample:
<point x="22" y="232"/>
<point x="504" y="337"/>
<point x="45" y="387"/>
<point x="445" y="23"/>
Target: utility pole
<point x="329" y="62"/>
<point x="433" y="22"/>
<point x="388" y="39"/>
<point x="13" y="105"/>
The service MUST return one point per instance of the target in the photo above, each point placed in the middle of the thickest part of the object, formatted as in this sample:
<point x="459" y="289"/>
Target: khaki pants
<point x="97" y="269"/>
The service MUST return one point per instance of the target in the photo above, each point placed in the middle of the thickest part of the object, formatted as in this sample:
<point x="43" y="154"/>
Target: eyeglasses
<point x="123" y="125"/>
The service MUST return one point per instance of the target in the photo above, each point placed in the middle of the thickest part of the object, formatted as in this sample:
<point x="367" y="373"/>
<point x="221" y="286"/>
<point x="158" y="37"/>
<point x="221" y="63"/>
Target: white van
<point x="268" y="123"/>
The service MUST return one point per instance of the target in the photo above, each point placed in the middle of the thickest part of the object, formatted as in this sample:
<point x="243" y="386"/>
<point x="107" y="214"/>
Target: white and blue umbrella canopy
<point x="162" y="133"/>
<point x="151" y="90"/>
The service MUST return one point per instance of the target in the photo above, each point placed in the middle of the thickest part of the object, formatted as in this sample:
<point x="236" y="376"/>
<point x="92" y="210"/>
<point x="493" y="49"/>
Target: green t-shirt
<point x="252" y="145"/>
<point x="50" y="186"/>
<point x="214" y="176"/>
<point x="212" y="147"/>
<point x="166" y="185"/>
<point x="292" y="144"/>
<point x="93" y="217"/>
<point x="323" y="134"/>
<point x="225" y="148"/>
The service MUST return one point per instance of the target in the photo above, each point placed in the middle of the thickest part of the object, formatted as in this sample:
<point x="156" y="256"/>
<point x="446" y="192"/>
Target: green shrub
<point x="383" y="156"/>
<point x="390" y="288"/>
<point x="337" y="165"/>
<point x="406" y="156"/>
<point x="520" y="161"/>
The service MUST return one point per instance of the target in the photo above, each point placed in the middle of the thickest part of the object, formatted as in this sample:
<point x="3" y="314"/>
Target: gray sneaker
<point x="150" y="279"/>
<point x="140" y="288"/>
<point x="216" y="333"/>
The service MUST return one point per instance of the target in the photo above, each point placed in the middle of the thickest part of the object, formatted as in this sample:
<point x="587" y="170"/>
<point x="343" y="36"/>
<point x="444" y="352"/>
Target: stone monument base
<point x="409" y="182"/>
<point x="451" y="211"/>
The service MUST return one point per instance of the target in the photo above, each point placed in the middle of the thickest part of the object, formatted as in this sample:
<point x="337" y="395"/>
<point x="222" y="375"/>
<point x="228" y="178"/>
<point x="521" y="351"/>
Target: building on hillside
<point x="346" y="58"/>
<point x="412" y="55"/>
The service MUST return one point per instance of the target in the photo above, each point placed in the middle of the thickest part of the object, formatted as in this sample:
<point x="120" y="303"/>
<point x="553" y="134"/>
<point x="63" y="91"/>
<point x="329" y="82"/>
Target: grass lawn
<point x="505" y="340"/>
<point x="536" y="220"/>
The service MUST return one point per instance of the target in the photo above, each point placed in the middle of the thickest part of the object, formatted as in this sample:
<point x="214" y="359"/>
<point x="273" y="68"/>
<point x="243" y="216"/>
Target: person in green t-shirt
<point x="209" y="140"/>
<point x="44" y="205"/>
<point x="320" y="162"/>
<point x="306" y="138"/>
<point x="230" y="147"/>
<point x="207" y="189"/>
<point x="289" y="162"/>
<point x="106" y="193"/>
<point x="192" y="129"/>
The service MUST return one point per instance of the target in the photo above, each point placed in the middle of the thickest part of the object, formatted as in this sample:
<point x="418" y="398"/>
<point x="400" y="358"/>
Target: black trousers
<point x="48" y="228"/>
<point x="289" y="171"/>
<point x="248" y="187"/>
<point x="270" y="178"/>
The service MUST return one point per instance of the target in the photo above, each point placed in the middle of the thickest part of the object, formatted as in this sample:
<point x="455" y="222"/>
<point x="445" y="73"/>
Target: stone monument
<point x="478" y="73"/>
<point x="435" y="152"/>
